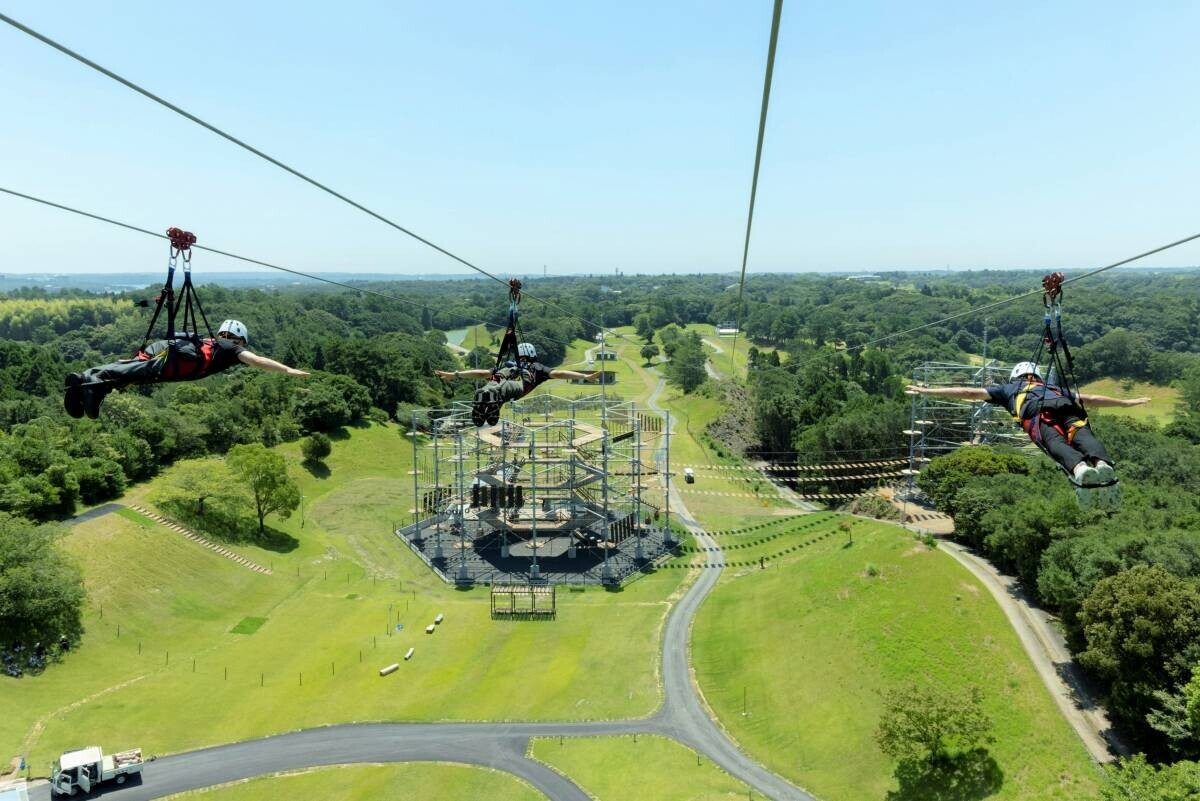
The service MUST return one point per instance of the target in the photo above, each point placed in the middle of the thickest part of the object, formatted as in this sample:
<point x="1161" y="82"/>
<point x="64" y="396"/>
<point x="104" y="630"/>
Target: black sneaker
<point x="93" y="396"/>
<point x="493" y="414"/>
<point x="73" y="395"/>
<point x="478" y="415"/>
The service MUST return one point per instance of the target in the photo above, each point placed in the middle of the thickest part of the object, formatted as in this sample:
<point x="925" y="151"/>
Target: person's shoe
<point x="1105" y="472"/>
<point x="93" y="396"/>
<point x="493" y="415"/>
<point x="479" y="407"/>
<point x="73" y="395"/>
<point x="1085" y="475"/>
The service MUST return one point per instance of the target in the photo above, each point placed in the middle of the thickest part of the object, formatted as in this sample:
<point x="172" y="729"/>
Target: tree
<point x="649" y="351"/>
<point x="686" y="368"/>
<point x="930" y="724"/>
<point x="1142" y="628"/>
<point x="41" y="592"/>
<point x="201" y="489"/>
<point x="1137" y="780"/>
<point x="264" y="474"/>
<point x="946" y="475"/>
<point x="644" y="326"/>
<point x="316" y="447"/>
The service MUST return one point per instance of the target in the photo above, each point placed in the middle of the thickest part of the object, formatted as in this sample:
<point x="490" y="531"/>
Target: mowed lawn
<point x="1161" y="406"/>
<point x="752" y="497"/>
<point x="409" y="782"/>
<point x="794" y="658"/>
<point x="650" y="767"/>
<point x="340" y="593"/>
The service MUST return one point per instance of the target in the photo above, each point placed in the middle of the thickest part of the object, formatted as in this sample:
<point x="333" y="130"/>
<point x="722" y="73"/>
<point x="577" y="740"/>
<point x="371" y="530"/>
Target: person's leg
<point x="1059" y="449"/>
<point x="125" y="372"/>
<point x="1087" y="444"/>
<point x="97" y="382"/>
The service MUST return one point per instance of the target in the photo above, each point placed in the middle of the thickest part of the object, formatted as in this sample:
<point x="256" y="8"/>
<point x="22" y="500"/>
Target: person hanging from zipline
<point x="1052" y="414"/>
<point x="183" y="356"/>
<point x="1053" y="417"/>
<point x="517" y="371"/>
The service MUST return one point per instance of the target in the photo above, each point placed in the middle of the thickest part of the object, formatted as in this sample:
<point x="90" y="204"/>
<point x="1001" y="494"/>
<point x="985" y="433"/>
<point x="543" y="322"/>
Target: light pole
<point x="301" y="510"/>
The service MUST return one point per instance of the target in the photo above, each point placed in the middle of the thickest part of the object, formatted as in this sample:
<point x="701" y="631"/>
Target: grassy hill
<point x="339" y="593"/>
<point x="794" y="659"/>
<point x="1160" y="407"/>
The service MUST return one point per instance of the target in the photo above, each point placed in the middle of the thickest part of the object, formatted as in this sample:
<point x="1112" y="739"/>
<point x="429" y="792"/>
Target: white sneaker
<point x="1105" y="472"/>
<point x="1085" y="475"/>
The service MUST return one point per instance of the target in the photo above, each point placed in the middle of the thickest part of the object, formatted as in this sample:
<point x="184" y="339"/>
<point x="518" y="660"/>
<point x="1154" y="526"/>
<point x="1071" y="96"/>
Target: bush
<point x="316" y="447"/>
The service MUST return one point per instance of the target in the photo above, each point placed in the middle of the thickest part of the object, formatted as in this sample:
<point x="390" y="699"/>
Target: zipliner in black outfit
<point x="1053" y="419"/>
<point x="182" y="359"/>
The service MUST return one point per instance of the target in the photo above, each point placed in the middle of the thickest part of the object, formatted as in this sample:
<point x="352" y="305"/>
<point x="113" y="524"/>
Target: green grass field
<point x="622" y="769"/>
<point x="692" y="414"/>
<point x="1161" y="406"/>
<point x="410" y="782"/>
<point x="793" y="660"/>
<point x="339" y="593"/>
<point x="720" y="348"/>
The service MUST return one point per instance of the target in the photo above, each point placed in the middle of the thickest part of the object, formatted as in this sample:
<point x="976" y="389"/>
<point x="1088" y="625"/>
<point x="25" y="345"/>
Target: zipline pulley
<point x="193" y="313"/>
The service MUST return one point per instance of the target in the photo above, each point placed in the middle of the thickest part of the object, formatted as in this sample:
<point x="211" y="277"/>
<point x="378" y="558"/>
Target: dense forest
<point x="818" y="389"/>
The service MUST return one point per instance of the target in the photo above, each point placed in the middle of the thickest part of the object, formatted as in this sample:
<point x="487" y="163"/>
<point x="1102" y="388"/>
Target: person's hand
<point x="1135" y="401"/>
<point x="294" y="373"/>
<point x="594" y="376"/>
<point x="445" y="375"/>
<point x="913" y="389"/>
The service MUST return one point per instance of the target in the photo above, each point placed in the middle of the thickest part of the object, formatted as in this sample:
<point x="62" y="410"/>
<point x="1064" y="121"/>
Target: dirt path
<point x="1048" y="650"/>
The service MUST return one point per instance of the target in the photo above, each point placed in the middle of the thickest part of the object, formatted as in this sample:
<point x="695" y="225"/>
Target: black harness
<point x="188" y="301"/>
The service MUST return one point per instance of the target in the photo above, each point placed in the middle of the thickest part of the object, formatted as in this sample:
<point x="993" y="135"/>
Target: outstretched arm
<point x="454" y="375"/>
<point x="1104" y="400"/>
<point x="577" y="375"/>
<point x="962" y="393"/>
<point x="270" y="365"/>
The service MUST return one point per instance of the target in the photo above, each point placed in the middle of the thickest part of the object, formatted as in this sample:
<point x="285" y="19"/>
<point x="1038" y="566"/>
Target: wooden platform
<point x="524" y="602"/>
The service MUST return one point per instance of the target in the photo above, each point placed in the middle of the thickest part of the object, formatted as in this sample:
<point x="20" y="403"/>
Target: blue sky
<point x="591" y="136"/>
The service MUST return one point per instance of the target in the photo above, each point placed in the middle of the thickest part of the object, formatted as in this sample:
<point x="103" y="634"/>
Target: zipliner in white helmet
<point x="234" y="327"/>
<point x="527" y="350"/>
<point x="1024" y="369"/>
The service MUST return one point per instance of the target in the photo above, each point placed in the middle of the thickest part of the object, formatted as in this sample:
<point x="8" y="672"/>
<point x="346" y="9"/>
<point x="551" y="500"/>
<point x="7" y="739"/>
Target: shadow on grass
<point x="227" y="526"/>
<point x="970" y="776"/>
<point x="338" y="434"/>
<point x="316" y="469"/>
<point x="274" y="540"/>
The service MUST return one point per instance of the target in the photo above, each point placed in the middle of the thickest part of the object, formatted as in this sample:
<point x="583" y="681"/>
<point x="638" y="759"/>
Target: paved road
<point x="92" y="514"/>
<point x="503" y="746"/>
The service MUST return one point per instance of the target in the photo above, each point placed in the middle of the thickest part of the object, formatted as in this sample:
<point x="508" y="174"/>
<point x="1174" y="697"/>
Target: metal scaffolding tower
<point x="939" y="424"/>
<point x="562" y="490"/>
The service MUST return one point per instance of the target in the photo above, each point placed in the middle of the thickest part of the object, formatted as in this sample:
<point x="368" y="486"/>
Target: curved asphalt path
<point x="502" y="746"/>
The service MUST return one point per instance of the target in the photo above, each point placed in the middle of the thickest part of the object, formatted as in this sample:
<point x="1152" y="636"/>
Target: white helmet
<point x="1023" y="369"/>
<point x="235" y="327"/>
<point x="527" y="350"/>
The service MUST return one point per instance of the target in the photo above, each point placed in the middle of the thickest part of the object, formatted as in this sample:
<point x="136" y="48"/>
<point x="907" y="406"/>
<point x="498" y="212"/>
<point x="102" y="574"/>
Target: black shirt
<point x="530" y="374"/>
<point x="225" y="354"/>
<point x="1006" y="395"/>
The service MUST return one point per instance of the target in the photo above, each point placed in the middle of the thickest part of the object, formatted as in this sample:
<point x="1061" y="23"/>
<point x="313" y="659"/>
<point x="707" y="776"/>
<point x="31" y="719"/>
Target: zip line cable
<point x="271" y="159"/>
<point x="762" y="127"/>
<point x="1031" y="293"/>
<point x="245" y="259"/>
<point x="754" y="187"/>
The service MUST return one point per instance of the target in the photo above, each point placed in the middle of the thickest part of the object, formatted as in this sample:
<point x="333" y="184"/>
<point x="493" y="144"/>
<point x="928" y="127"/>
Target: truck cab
<point x="689" y="475"/>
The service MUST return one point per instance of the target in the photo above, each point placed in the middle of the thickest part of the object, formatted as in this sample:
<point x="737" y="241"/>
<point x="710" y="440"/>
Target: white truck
<point x="86" y="768"/>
